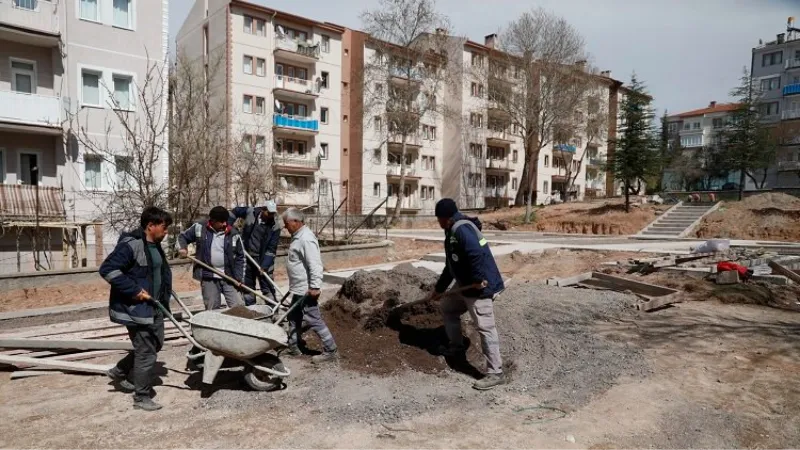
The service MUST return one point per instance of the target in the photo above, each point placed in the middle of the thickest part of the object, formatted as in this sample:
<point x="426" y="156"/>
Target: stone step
<point x="677" y="230"/>
<point x="659" y="233"/>
<point x="676" y="220"/>
<point x="683" y="216"/>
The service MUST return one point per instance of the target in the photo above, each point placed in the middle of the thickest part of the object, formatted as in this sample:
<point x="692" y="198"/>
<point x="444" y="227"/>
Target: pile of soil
<point x="771" y="216"/>
<point x="375" y="338"/>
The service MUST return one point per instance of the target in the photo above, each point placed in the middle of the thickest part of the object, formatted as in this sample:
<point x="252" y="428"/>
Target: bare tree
<point x="133" y="139"/>
<point x="545" y="53"/>
<point x="250" y="164"/>
<point x="407" y="70"/>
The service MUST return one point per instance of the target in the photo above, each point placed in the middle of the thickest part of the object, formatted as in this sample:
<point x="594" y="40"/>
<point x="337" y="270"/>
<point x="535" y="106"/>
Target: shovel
<point x="263" y="273"/>
<point x="436" y="297"/>
<point x="266" y="299"/>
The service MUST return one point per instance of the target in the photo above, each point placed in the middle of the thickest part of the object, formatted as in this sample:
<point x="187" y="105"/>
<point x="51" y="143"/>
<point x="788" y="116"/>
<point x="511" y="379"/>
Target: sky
<point x="688" y="52"/>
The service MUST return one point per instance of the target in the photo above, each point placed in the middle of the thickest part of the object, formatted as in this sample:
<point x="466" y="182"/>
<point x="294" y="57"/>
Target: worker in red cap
<point x="471" y="265"/>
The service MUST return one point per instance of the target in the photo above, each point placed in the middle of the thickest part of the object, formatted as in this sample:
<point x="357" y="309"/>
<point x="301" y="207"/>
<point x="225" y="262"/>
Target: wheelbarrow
<point x="250" y="341"/>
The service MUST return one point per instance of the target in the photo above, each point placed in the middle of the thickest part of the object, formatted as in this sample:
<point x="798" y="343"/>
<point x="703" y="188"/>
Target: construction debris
<point x="69" y="366"/>
<point x="79" y="344"/>
<point x="728" y="277"/>
<point x="651" y="296"/>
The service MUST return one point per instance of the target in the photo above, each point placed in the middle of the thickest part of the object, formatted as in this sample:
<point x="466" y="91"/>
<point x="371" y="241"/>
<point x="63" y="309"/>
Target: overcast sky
<point x="688" y="52"/>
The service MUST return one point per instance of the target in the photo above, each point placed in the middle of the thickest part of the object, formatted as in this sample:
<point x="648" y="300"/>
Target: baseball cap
<point x="271" y="207"/>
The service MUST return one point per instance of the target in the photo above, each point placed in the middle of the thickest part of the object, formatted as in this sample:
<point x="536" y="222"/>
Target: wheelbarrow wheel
<point x="260" y="381"/>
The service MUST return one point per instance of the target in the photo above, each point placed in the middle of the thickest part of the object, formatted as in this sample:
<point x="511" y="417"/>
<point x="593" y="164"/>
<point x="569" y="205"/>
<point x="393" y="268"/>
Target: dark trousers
<point x="251" y="274"/>
<point x="138" y="364"/>
<point x="309" y="313"/>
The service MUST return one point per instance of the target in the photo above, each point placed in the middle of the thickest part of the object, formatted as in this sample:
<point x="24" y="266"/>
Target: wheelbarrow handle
<point x="172" y="319"/>
<point x="183" y="305"/>
<point x="263" y="273"/>
<point x="268" y="300"/>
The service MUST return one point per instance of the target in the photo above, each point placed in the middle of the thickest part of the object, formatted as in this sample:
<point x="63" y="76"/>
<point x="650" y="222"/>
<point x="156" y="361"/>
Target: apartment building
<point x="775" y="68"/>
<point x="67" y="63"/>
<point x="282" y="79"/>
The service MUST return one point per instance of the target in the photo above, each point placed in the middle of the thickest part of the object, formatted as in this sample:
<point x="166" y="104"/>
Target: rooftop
<point x="712" y="107"/>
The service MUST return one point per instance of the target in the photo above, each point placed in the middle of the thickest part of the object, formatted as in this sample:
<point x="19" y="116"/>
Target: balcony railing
<point x="295" y="84"/>
<point x="564" y="148"/>
<point x="792" y="63"/>
<point x="498" y="164"/>
<point x="35" y="15"/>
<point x="791" y="114"/>
<point x="788" y="166"/>
<point x="413" y="140"/>
<point x="307" y="162"/>
<point x="295" y="122"/>
<point x="19" y="202"/>
<point x="500" y="135"/>
<point x="596" y="162"/>
<point x="394" y="169"/>
<point x="302" y="48"/>
<point x="404" y="73"/>
<point x="496" y="191"/>
<point x="33" y="109"/>
<point x="407" y="203"/>
<point x="791" y="89"/>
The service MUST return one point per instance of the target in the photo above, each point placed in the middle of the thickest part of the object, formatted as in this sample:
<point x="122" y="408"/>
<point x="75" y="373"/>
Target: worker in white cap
<point x="261" y="233"/>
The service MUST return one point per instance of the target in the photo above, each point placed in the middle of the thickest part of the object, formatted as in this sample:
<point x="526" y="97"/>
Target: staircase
<point x="679" y="220"/>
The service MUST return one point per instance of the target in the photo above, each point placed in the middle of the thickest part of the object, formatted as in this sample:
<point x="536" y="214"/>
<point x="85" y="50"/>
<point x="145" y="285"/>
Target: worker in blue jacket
<point x="477" y="284"/>
<point x="139" y="275"/>
<point x="260" y="235"/>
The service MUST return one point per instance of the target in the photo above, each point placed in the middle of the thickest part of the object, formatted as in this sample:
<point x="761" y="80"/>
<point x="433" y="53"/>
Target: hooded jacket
<point x="128" y="270"/>
<point x="469" y="259"/>
<point x="203" y="235"/>
<point x="268" y="246"/>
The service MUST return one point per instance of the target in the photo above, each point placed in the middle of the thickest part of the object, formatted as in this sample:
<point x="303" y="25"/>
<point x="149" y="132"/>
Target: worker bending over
<point x="260" y="234"/>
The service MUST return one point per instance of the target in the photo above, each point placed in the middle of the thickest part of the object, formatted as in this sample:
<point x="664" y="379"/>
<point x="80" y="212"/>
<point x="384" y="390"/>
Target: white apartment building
<point x="62" y="60"/>
<point x="282" y="79"/>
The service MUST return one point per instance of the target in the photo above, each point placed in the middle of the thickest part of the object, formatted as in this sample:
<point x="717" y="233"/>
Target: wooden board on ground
<point x="68" y="366"/>
<point x="651" y="296"/>
<point x="777" y="267"/>
<point x="78" y="344"/>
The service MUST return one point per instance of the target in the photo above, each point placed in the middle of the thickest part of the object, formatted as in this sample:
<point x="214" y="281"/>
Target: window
<point x="476" y="120"/>
<point x="696" y="125"/>
<point x="29" y="168"/>
<point x="261" y="27"/>
<point x="248" y="65"/>
<point x="88" y="10"/>
<point x="323" y="150"/>
<point x="261" y="144"/>
<point x="691" y="141"/>
<point x="687" y="126"/>
<point x="90" y="88"/>
<point x="545" y="188"/>
<point x="2" y="166"/>
<point x="247" y="142"/>
<point x="123" y="95"/>
<point x="717" y="123"/>
<point x="433" y="162"/>
<point x="547" y="160"/>
<point x="771" y="84"/>
<point x="515" y="156"/>
<point x="123" y="166"/>
<point x="477" y="60"/>
<point x="260" y="105"/>
<point x="324" y="83"/>
<point x="771" y="59"/>
<point x="672" y="128"/>
<point x="92" y="168"/>
<point x="323" y="115"/>
<point x="261" y="67"/>
<point x="26" y="4"/>
<point x="247" y="105"/>
<point x="23" y="76"/>
<point x="425" y="133"/>
<point x="122" y="14"/>
<point x="248" y="25"/>
<point x="433" y="133"/>
<point x="379" y="88"/>
<point x="769" y="109"/>
<point x="476" y="150"/>
<point x="474" y="89"/>
<point x="376" y="189"/>
<point x="377" y="155"/>
<point x="378" y="123"/>
<point x="326" y="44"/>
<point x="514" y="183"/>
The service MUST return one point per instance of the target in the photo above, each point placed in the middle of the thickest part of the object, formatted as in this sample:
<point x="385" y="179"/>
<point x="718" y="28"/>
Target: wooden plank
<point x="625" y="284"/>
<point x="777" y="267"/>
<point x="20" y="374"/>
<point x="68" y="366"/>
<point x="654" y="303"/>
<point x="562" y="282"/>
<point x="78" y="344"/>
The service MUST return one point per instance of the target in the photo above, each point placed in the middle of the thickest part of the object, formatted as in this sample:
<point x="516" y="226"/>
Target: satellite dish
<point x="277" y="104"/>
<point x="281" y="30"/>
<point x="284" y="184"/>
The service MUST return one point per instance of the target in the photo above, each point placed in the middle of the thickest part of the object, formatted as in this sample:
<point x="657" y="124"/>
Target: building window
<point x="261" y="144"/>
<point x="476" y="120"/>
<point x="696" y="125"/>
<point x="477" y="60"/>
<point x="515" y="156"/>
<point x="247" y="105"/>
<point x="93" y="166"/>
<point x="376" y="189"/>
<point x="23" y="76"/>
<point x="771" y="59"/>
<point x="326" y="44"/>
<point x="260" y="105"/>
<point x="248" y="25"/>
<point x="514" y="184"/>
<point x="88" y="10"/>
<point x="717" y="123"/>
<point x="433" y="133"/>
<point x="474" y="89"/>
<point x="324" y="83"/>
<point x="546" y="189"/>
<point x="261" y="67"/>
<point x="547" y="160"/>
<point x="261" y="27"/>
<point x="771" y="84"/>
<point x="379" y="88"/>
<point x="673" y="127"/>
<point x="247" y="142"/>
<point x="248" y="65"/>
<point x="433" y="162"/>
<point x="323" y="150"/>
<point x="124" y="174"/>
<point x="377" y="155"/>
<point x="769" y="109"/>
<point x="123" y="93"/>
<point x="90" y="88"/>
<point x="122" y="14"/>
<point x="378" y="123"/>
<point x="323" y="115"/>
<point x="691" y="141"/>
<point x="687" y="126"/>
<point x="29" y="168"/>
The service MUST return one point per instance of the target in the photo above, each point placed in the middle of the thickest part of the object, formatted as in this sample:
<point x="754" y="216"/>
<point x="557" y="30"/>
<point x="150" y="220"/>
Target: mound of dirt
<point x="771" y="200"/>
<point x="772" y="215"/>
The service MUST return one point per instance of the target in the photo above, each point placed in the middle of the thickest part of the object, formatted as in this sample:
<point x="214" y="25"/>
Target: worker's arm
<point x="239" y="212"/>
<point x="313" y="262"/>
<point x="271" y="248"/>
<point x="188" y="236"/>
<point x="114" y="270"/>
<point x="472" y="247"/>
<point x="239" y="260"/>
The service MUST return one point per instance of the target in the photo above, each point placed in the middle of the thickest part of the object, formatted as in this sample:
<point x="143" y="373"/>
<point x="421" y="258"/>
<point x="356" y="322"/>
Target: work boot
<point x="120" y="380"/>
<point x="489" y="381"/>
<point x="325" y="357"/>
<point x="146" y="404"/>
<point x="292" y="350"/>
<point x="452" y="351"/>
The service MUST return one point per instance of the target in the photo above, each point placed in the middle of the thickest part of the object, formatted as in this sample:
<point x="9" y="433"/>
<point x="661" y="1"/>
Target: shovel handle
<point x="263" y="273"/>
<point x="268" y="300"/>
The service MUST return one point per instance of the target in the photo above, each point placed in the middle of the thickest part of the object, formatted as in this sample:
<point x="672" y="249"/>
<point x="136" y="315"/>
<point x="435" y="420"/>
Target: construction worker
<point x="304" y="268"/>
<point x="261" y="233"/>
<point x="471" y="264"/>
<point x="219" y="245"/>
<point x="139" y="275"/>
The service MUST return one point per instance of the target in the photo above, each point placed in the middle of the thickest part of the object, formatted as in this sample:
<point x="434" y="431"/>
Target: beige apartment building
<point x="282" y="79"/>
<point x="69" y="63"/>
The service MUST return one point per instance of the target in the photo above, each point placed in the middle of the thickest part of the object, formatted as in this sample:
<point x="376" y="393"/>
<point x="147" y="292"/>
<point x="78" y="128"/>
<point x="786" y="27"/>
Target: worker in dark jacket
<point x="139" y="275"/>
<point x="260" y="235"/>
<point x="471" y="265"/>
<point x="219" y="245"/>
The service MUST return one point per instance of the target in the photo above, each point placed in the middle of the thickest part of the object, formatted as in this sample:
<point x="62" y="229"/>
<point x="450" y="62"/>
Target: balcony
<point x="595" y="162"/>
<point x="295" y="88"/>
<point x="789" y="166"/>
<point x="792" y="63"/>
<point x="282" y="162"/>
<point x="30" y="109"/>
<point x="791" y="89"/>
<point x="295" y="50"/>
<point x="564" y="148"/>
<point x="292" y="195"/>
<point x="33" y="22"/>
<point x="499" y="137"/>
<point x="790" y="114"/>
<point x="396" y="140"/>
<point x="404" y="75"/>
<point x="409" y="204"/>
<point x="295" y="125"/>
<point x="393" y="171"/>
<point x="499" y="164"/>
<point x="18" y="202"/>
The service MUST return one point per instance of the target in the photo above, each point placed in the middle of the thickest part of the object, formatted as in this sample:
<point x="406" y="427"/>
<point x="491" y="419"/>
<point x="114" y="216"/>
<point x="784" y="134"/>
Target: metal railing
<point x="394" y="169"/>
<point x="296" y="122"/>
<point x="792" y="63"/>
<point x="788" y="165"/>
<point x="407" y="203"/>
<point x="504" y="163"/>
<point x="295" y="84"/>
<point x="30" y="108"/>
<point x="280" y="159"/>
<point x="790" y="114"/>
<point x="295" y="46"/>
<point x="791" y="89"/>
<point x="412" y="139"/>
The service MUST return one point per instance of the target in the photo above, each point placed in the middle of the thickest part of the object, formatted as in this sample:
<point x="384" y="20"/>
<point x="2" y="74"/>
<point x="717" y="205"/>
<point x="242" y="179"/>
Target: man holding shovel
<point x="219" y="246"/>
<point x="261" y="233"/>
<point x="478" y="282"/>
